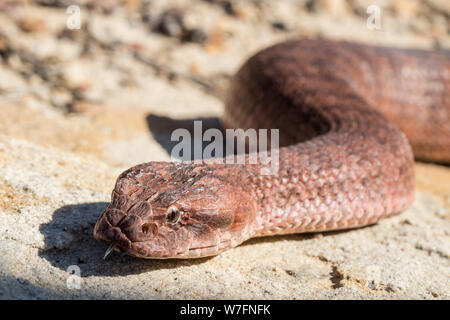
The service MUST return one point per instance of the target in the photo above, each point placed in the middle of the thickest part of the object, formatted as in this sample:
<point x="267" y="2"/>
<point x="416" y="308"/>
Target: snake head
<point x="168" y="210"/>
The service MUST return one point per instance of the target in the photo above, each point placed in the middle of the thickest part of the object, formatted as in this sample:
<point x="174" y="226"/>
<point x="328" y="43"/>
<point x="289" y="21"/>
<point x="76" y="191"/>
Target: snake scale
<point x="350" y="118"/>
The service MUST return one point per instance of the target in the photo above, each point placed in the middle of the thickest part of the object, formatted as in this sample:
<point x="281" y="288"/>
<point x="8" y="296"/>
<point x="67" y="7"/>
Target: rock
<point x="30" y="24"/>
<point x="280" y="26"/>
<point x="171" y="23"/>
<point x="228" y="7"/>
<point x="195" y="35"/>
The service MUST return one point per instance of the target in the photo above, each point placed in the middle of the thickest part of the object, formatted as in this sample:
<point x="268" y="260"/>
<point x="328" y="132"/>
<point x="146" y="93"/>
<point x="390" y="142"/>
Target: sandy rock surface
<point x="77" y="107"/>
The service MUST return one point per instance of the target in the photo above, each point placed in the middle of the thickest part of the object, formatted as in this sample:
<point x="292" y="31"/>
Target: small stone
<point x="441" y="212"/>
<point x="171" y="23"/>
<point x="228" y="7"/>
<point x="318" y="235"/>
<point x="310" y="5"/>
<point x="372" y="285"/>
<point x="279" y="26"/>
<point x="61" y="99"/>
<point x="67" y="34"/>
<point x="32" y="25"/>
<point x="145" y="11"/>
<point x="195" y="35"/>
<point x="435" y="294"/>
<point x="290" y="272"/>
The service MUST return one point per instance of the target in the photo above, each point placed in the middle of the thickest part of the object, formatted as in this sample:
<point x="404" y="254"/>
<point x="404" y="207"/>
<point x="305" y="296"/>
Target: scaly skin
<point x="343" y="162"/>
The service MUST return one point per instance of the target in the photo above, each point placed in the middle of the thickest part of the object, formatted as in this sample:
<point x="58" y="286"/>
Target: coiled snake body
<point x="345" y="113"/>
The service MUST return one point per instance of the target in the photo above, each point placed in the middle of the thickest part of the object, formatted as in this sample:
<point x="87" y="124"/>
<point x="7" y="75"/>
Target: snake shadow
<point x="69" y="241"/>
<point x="161" y="128"/>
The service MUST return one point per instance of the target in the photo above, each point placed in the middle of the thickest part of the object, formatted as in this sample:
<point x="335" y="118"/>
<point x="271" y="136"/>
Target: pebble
<point x="279" y="26"/>
<point x="171" y="23"/>
<point x="228" y="7"/>
<point x="195" y="35"/>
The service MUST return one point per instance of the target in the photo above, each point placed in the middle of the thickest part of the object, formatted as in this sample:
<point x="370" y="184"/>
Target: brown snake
<point x="342" y="162"/>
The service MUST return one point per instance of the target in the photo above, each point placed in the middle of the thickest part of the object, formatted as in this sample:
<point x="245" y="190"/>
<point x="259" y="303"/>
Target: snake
<point x="352" y="118"/>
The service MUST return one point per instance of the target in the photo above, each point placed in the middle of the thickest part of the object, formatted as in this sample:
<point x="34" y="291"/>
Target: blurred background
<point x="87" y="80"/>
<point x="89" y="88"/>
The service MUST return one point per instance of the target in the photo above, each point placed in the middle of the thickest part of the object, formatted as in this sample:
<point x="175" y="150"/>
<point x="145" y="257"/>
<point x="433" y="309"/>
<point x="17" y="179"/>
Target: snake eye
<point x="173" y="214"/>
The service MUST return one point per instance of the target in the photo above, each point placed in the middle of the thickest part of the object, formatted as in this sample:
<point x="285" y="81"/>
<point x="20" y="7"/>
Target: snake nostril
<point x="148" y="229"/>
<point x="145" y="228"/>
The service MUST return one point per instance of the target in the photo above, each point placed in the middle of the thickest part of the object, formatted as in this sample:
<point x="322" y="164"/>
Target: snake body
<point x="350" y="117"/>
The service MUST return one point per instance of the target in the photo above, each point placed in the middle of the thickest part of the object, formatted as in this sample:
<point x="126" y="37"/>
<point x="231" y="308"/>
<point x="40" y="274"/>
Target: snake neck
<point x="314" y="191"/>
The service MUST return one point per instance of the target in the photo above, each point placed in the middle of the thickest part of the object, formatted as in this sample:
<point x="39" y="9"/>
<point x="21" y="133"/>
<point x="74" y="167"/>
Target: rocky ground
<point x="79" y="106"/>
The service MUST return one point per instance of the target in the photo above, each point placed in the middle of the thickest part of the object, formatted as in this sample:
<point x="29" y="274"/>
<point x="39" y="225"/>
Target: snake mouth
<point x="139" y="250"/>
<point x="114" y="236"/>
<point x="185" y="254"/>
<point x="144" y="249"/>
<point x="124" y="245"/>
<point x="123" y="231"/>
<point x="119" y="241"/>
